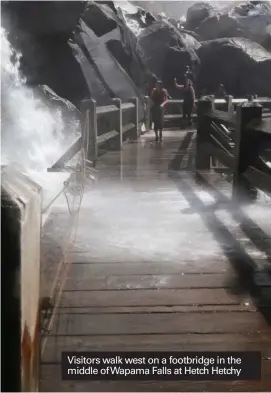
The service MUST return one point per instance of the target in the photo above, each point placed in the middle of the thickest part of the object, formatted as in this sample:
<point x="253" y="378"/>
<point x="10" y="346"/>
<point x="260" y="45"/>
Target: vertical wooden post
<point x="92" y="122"/>
<point x="134" y="101"/>
<point x="202" y="155"/>
<point x="21" y="204"/>
<point x="230" y="108"/>
<point x="213" y="102"/>
<point x="85" y="126"/>
<point x="117" y="102"/>
<point x="245" y="150"/>
<point x="148" y="113"/>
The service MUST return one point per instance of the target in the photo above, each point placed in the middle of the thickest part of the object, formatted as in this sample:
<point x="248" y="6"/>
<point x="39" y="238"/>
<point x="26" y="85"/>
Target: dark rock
<point x="219" y="26"/>
<point x="174" y="67"/>
<point x="100" y="18"/>
<point x="100" y="60"/>
<point x="106" y="66"/>
<point x="244" y="67"/>
<point x="137" y="69"/>
<point x="142" y="17"/>
<point x="110" y="4"/>
<point x="70" y="115"/>
<point x="250" y="19"/>
<point x="49" y="60"/>
<point x="189" y="32"/>
<point x="116" y="81"/>
<point x="197" y="13"/>
<point x="55" y="17"/>
<point x="267" y="39"/>
<point x="155" y="42"/>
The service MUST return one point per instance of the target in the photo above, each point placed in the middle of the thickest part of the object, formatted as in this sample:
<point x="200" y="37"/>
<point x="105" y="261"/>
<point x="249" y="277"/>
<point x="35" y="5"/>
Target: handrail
<point x="228" y="100"/>
<point x="104" y="125"/>
<point x="237" y="147"/>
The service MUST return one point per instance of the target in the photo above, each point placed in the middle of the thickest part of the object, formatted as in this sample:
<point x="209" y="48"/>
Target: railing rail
<point x="105" y="128"/>
<point x="226" y="105"/>
<point x="235" y="140"/>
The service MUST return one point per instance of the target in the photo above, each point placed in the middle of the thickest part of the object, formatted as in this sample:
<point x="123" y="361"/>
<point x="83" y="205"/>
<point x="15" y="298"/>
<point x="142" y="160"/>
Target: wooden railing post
<point x="202" y="155"/>
<point x="92" y="133"/>
<point x="117" y="102"/>
<point x="230" y="108"/>
<point x="213" y="102"/>
<point x="148" y="113"/>
<point x="245" y="150"/>
<point x="134" y="101"/>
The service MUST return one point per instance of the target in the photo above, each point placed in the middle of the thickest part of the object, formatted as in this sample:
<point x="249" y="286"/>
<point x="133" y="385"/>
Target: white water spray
<point x="33" y="135"/>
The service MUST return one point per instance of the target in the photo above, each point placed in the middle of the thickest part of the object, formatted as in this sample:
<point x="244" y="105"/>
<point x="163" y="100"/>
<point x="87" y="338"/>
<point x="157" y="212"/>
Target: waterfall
<point x="34" y="133"/>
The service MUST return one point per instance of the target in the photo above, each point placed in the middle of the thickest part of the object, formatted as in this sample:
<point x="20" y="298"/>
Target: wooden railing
<point x="173" y="108"/>
<point x="105" y="128"/>
<point x="240" y="140"/>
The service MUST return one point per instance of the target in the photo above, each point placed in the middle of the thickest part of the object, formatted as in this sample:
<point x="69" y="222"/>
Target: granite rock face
<point x="250" y="19"/>
<point x="167" y="50"/>
<point x="197" y="14"/>
<point x="79" y="49"/>
<point x="243" y="66"/>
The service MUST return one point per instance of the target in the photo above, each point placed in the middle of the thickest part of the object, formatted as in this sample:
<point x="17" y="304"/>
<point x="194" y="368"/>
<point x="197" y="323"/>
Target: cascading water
<point x="34" y="135"/>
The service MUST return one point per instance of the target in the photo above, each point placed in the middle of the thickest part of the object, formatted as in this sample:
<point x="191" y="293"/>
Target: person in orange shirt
<point x="158" y="96"/>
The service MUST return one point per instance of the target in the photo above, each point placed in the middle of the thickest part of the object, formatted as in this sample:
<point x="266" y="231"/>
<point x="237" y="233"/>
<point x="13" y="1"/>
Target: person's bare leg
<point x="161" y="135"/>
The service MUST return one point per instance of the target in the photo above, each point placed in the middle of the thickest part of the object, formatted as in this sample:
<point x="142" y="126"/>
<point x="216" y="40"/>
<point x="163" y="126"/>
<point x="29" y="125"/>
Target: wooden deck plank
<point x="145" y="268"/>
<point x="147" y="297"/>
<point x="160" y="323"/>
<point x="141" y="281"/>
<point x="202" y="308"/>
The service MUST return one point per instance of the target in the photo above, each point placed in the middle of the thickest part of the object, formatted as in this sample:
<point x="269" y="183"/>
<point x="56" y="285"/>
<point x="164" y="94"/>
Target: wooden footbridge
<point x="169" y="253"/>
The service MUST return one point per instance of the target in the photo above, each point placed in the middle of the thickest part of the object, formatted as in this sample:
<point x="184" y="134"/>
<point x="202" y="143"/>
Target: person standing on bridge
<point x="221" y="93"/>
<point x="189" y="75"/>
<point x="158" y="96"/>
<point x="188" y="99"/>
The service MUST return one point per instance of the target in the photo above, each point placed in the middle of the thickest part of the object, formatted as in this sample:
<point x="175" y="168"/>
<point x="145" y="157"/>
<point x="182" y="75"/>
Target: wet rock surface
<point x="248" y="70"/>
<point x="197" y="14"/>
<point x="77" y="58"/>
<point x="160" y="41"/>
<point x="248" y="19"/>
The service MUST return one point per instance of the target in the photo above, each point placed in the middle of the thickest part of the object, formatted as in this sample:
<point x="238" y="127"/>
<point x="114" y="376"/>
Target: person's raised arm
<point x="176" y="84"/>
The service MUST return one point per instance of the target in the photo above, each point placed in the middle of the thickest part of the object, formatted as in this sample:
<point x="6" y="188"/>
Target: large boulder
<point x="244" y="67"/>
<point x="142" y="17"/>
<point x="156" y="42"/>
<point x="52" y="17"/>
<point x="250" y="19"/>
<point x="198" y="13"/>
<point x="175" y="66"/>
<point x="219" y="26"/>
<point x="92" y="55"/>
<point x="116" y="81"/>
<point x="267" y="39"/>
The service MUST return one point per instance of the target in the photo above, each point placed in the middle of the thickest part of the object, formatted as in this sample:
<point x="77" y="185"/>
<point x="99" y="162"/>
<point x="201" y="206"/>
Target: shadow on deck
<point x="251" y="278"/>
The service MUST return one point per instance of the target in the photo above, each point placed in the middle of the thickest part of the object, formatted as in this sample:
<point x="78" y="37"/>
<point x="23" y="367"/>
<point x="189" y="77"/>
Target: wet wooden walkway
<point x="162" y="263"/>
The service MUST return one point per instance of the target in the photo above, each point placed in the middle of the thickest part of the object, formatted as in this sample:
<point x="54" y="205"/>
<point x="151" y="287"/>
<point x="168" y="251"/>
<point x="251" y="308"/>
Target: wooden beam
<point x="259" y="179"/>
<point x="67" y="156"/>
